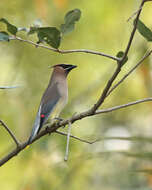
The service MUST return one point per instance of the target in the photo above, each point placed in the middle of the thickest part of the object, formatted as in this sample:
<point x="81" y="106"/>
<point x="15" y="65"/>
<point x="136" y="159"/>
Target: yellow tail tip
<point x="27" y="146"/>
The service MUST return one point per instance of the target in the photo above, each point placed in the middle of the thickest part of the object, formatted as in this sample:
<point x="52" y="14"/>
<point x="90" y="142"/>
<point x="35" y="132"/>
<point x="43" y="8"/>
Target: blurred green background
<point x="108" y="164"/>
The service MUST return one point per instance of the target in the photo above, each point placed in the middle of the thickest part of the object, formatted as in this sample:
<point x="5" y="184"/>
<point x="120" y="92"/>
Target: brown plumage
<point x="54" y="98"/>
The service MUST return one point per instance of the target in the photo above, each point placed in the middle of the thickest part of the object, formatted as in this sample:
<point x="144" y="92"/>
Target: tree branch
<point x="10" y="132"/>
<point x="119" y="65"/>
<point x="8" y="87"/>
<point x="68" y="141"/>
<point x="133" y="31"/>
<point x="133" y="138"/>
<point x="55" y="126"/>
<point x="93" y="110"/>
<point x="133" y="14"/>
<point x="126" y="75"/>
<point x="65" y="51"/>
<point x="123" y="106"/>
<point x="77" y="138"/>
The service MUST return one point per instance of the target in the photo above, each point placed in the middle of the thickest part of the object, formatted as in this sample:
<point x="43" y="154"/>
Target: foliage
<point x="4" y="36"/>
<point x="10" y="27"/>
<point x="144" y="30"/>
<point x="70" y="18"/>
<point x="116" y="163"/>
<point x="120" y="54"/>
<point x="50" y="35"/>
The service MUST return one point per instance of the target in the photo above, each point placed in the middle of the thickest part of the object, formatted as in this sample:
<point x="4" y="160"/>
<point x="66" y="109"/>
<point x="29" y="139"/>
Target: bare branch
<point x="9" y="87"/>
<point x="133" y="31"/>
<point x="65" y="51"/>
<point x="132" y="138"/>
<point x="56" y="126"/>
<point x="133" y="69"/>
<point x="123" y="106"/>
<point x="93" y="110"/>
<point x="10" y="132"/>
<point x="77" y="138"/>
<point x="133" y="14"/>
<point x="119" y="65"/>
<point x="68" y="140"/>
<point x="89" y="52"/>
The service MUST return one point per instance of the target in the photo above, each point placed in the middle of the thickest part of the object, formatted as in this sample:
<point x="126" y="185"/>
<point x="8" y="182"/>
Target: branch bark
<point x="74" y="137"/>
<point x="68" y="141"/>
<point x="10" y="133"/>
<point x="94" y="109"/>
<point x="132" y="138"/>
<point x="65" y="51"/>
<point x="119" y="65"/>
<point x="8" y="87"/>
<point x="130" y="71"/>
<point x="53" y="128"/>
<point x="133" y="31"/>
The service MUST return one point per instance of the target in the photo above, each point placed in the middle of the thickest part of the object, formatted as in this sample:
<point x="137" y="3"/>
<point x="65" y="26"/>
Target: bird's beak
<point x="72" y="67"/>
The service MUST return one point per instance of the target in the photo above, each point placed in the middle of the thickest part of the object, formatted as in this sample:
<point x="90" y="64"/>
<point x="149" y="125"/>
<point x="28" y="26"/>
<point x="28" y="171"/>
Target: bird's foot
<point x="58" y="119"/>
<point x="47" y="129"/>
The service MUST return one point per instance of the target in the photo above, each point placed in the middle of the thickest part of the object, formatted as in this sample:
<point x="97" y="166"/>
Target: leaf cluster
<point x="50" y="35"/>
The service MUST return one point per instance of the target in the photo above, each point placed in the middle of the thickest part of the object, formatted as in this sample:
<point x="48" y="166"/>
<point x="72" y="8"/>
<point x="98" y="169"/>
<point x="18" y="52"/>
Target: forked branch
<point x="53" y="128"/>
<point x="94" y="109"/>
<point x="10" y="133"/>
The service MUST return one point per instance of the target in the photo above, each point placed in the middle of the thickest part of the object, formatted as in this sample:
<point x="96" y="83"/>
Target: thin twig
<point x="74" y="118"/>
<point x="127" y="74"/>
<point x="133" y="14"/>
<point x="123" y="106"/>
<point x="9" y="87"/>
<point x="119" y="65"/>
<point x="133" y="31"/>
<point x="93" y="110"/>
<point x="11" y="133"/>
<point x="132" y="138"/>
<point x="68" y="140"/>
<point x="77" y="138"/>
<point x="65" y="51"/>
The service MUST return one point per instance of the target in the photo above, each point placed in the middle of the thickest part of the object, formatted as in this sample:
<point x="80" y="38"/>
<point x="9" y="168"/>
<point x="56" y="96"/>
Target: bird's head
<point x="64" y="67"/>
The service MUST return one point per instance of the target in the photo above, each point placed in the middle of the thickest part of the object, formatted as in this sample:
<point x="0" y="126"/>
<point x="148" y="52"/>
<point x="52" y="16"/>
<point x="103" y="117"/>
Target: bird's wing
<point x="49" y="100"/>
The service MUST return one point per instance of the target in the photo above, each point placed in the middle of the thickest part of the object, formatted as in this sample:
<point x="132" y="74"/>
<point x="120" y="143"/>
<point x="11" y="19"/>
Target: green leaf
<point x="72" y="16"/>
<point x="69" y="21"/>
<point x="66" y="28"/>
<point x="144" y="30"/>
<point x="50" y="35"/>
<point x="4" y="36"/>
<point x="120" y="54"/>
<point x="33" y="30"/>
<point x="10" y="28"/>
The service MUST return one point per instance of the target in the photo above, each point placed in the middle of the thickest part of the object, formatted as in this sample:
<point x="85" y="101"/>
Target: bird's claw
<point x="58" y="119"/>
<point x="47" y="129"/>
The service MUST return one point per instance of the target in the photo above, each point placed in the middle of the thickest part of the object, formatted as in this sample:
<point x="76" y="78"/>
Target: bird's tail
<point x="33" y="134"/>
<point x="36" y="126"/>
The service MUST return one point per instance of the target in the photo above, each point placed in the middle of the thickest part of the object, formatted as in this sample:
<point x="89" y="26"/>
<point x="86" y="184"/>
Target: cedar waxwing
<point x="54" y="98"/>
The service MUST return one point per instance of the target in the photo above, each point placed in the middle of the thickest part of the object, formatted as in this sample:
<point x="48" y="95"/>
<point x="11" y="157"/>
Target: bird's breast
<point x="63" y="99"/>
<point x="63" y="90"/>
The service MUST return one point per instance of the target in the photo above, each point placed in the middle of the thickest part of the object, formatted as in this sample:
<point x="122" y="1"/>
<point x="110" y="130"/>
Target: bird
<point x="54" y="98"/>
